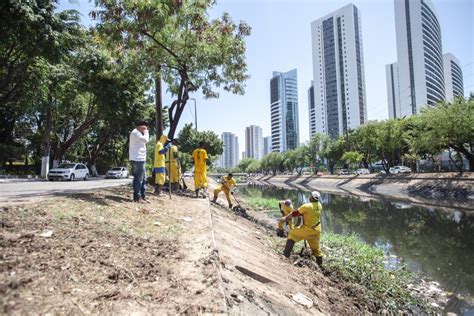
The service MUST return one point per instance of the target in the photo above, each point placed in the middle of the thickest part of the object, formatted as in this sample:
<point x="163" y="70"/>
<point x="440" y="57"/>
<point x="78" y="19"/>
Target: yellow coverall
<point x="311" y="228"/>
<point x="159" y="163"/>
<point x="226" y="185"/>
<point x="285" y="210"/>
<point x="172" y="165"/>
<point x="200" y="157"/>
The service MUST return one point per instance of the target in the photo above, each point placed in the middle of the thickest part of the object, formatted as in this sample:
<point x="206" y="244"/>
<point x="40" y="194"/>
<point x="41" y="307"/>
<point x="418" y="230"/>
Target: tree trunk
<point x="93" y="169"/>
<point x="158" y="106"/>
<point x="46" y="142"/>
<point x="466" y="153"/>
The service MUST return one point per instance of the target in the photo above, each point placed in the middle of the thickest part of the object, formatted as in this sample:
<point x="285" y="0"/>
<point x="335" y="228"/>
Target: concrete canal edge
<point x="449" y="190"/>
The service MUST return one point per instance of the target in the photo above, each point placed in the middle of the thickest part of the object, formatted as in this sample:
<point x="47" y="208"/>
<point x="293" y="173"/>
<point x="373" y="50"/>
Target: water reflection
<point x="436" y="242"/>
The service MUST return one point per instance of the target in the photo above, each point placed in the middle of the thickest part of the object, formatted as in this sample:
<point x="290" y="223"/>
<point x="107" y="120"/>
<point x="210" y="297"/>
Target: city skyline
<point x="274" y="45"/>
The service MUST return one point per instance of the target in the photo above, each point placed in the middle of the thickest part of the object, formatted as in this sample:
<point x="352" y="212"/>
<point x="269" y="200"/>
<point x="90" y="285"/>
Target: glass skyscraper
<point x="338" y="73"/>
<point x="284" y="111"/>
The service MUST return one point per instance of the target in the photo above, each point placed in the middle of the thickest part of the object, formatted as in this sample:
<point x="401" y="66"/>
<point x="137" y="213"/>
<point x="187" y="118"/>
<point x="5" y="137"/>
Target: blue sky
<point x="281" y="41"/>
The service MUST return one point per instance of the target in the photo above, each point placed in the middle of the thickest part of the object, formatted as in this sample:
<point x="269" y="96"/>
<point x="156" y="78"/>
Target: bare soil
<point x="109" y="255"/>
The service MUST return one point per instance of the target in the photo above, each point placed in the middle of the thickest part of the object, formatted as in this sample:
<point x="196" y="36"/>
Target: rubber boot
<point x="230" y="205"/>
<point x="319" y="261"/>
<point x="158" y="189"/>
<point x="288" y="247"/>
<point x="197" y="193"/>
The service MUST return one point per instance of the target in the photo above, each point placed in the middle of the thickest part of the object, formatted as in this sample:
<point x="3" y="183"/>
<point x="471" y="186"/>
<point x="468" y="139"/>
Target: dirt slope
<point x="109" y="255"/>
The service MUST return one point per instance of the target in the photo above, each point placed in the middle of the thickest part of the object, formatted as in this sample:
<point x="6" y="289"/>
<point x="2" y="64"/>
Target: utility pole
<point x="195" y="114"/>
<point x="158" y="105"/>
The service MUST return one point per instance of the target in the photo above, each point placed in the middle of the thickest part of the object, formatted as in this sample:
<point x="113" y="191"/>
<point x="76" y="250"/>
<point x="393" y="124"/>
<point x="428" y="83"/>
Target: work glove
<point x="280" y="233"/>
<point x="168" y="146"/>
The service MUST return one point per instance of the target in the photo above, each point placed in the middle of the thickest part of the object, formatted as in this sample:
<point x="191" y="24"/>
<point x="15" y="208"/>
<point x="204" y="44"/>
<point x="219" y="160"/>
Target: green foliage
<point x="260" y="203"/>
<point x="253" y="167"/>
<point x="190" y="51"/>
<point x="352" y="158"/>
<point x="244" y="164"/>
<point x="365" y="265"/>
<point x="272" y="162"/>
<point x="189" y="140"/>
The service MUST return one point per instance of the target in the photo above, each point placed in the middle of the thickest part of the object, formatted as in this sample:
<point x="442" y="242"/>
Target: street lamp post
<point x="195" y="113"/>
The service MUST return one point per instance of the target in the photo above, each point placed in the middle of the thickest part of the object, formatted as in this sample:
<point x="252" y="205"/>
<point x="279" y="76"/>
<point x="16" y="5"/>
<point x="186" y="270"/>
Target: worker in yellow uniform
<point x="172" y="167"/>
<point x="285" y="208"/>
<point x="159" y="169"/>
<point x="200" y="156"/>
<point x="226" y="184"/>
<point x="311" y="228"/>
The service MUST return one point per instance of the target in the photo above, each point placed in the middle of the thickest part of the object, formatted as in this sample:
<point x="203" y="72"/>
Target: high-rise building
<point x="244" y="155"/>
<point x="267" y="145"/>
<point x="454" y="86"/>
<point x="420" y="57"/>
<point x="284" y="110"/>
<point x="338" y="72"/>
<point x="230" y="155"/>
<point x="311" y="111"/>
<point x="393" y="90"/>
<point x="253" y="142"/>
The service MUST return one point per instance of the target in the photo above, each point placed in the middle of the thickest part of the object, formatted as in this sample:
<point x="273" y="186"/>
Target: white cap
<point x="288" y="202"/>
<point x="316" y="195"/>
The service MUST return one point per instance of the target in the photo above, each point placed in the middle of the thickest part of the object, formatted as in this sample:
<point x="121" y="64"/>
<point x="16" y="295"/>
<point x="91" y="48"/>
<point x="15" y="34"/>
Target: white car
<point x="362" y="171"/>
<point x="399" y="169"/>
<point x="117" y="173"/>
<point x="343" y="172"/>
<point x="69" y="171"/>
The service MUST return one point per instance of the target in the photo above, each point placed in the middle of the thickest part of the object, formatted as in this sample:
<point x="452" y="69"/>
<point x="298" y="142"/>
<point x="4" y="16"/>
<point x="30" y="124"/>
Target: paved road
<point x="13" y="192"/>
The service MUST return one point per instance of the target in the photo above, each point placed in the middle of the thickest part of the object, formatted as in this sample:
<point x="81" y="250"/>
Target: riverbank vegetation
<point x="384" y="281"/>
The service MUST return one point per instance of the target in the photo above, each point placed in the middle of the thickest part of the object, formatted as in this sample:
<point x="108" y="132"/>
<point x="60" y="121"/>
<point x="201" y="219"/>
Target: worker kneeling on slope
<point x="311" y="228"/>
<point x="226" y="185"/>
<point x="285" y="208"/>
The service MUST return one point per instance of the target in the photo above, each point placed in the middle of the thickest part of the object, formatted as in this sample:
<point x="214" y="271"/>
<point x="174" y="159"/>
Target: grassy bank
<point x="362" y="267"/>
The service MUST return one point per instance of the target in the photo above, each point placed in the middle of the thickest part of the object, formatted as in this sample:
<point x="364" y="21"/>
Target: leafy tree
<point x="352" y="158"/>
<point x="364" y="140"/>
<point x="302" y="158"/>
<point x="189" y="51"/>
<point x="272" y="162"/>
<point x="32" y="34"/>
<point x="332" y="151"/>
<point x="244" y="164"/>
<point x="253" y="167"/>
<point x="451" y="125"/>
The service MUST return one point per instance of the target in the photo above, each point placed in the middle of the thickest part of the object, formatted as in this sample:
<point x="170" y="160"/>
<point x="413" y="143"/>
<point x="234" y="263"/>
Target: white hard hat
<point x="288" y="202"/>
<point x="316" y="195"/>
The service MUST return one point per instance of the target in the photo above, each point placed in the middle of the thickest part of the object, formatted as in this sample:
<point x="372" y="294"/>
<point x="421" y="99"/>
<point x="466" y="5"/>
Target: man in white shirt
<point x="137" y="157"/>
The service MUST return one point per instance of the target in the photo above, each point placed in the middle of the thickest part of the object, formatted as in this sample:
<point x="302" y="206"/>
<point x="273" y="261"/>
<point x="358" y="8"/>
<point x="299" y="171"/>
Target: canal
<point x="436" y="242"/>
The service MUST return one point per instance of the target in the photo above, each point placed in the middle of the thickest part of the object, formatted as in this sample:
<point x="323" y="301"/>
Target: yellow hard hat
<point x="163" y="139"/>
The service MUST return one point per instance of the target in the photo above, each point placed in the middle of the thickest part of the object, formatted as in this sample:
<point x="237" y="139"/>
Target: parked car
<point x="69" y="171"/>
<point x="117" y="173"/>
<point x="362" y="171"/>
<point x="343" y="172"/>
<point x="399" y="169"/>
<point x="187" y="174"/>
